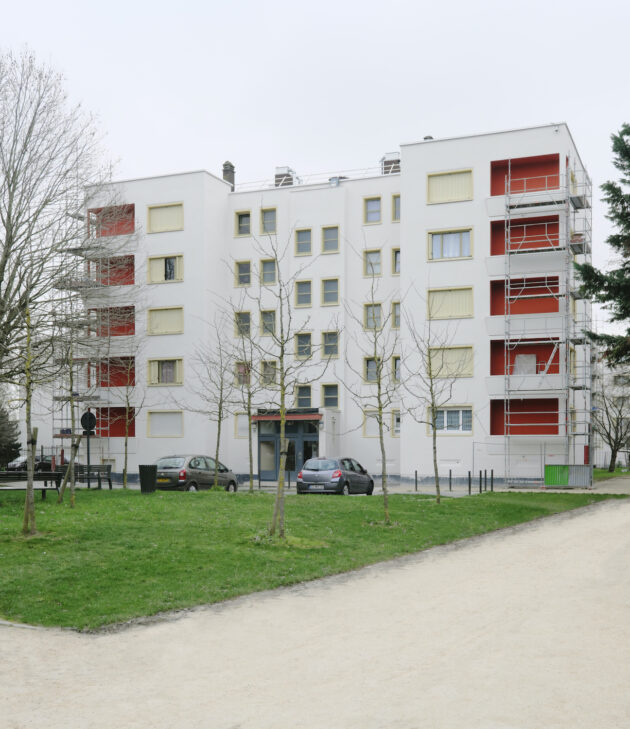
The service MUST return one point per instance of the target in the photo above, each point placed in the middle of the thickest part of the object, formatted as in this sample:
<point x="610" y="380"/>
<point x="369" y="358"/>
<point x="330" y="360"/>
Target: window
<point x="111" y="220"/>
<point x="303" y="346"/>
<point x="242" y="371"/>
<point x="268" y="272"/>
<point x="396" y="314"/>
<point x="451" y="361"/>
<point x="395" y="423"/>
<point x="165" y="424"/>
<point x="330" y="239"/>
<point x="450" y="303"/>
<point x="268" y="220"/>
<point x="302" y="293"/>
<point x="113" y="321"/>
<point x="449" y="244"/>
<point x="372" y="210"/>
<point x="303" y="242"/>
<point x="243" y="223"/>
<point x="395" y="208"/>
<point x="396" y="368"/>
<point x="165" y="372"/>
<point x="396" y="261"/>
<point x="114" y="271"/>
<point x="330" y="344"/>
<point x="242" y="322"/>
<point x="370" y="424"/>
<point x="453" y="420"/>
<point x="166" y="321"/>
<point x="303" y="396"/>
<point x="330" y="396"/>
<point x="372" y="316"/>
<point x="166" y="268"/>
<point x="269" y="373"/>
<point x="372" y="263"/>
<point x="370" y="369"/>
<point x="330" y="291"/>
<point x="267" y="322"/>
<point x="243" y="273"/>
<point x="165" y="218"/>
<point x="450" y="187"/>
<point x="116" y="372"/>
<point x="113" y="422"/>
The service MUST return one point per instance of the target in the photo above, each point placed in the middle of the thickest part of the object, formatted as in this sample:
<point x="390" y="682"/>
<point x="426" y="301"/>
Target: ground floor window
<point x="454" y="420"/>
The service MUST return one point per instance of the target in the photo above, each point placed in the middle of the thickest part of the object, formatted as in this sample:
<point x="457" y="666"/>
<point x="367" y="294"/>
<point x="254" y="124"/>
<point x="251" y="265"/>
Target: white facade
<point x="395" y="213"/>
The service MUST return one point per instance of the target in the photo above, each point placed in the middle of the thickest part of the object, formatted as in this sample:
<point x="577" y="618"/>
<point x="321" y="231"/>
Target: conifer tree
<point x="612" y="288"/>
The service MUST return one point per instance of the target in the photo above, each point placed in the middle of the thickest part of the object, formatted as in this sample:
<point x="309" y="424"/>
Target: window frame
<point x="323" y="395"/>
<point x="179" y="203"/>
<point x="469" y="347"/>
<point x="310" y="241"/>
<point x="372" y="305"/>
<point x="451" y="433"/>
<point x="179" y="369"/>
<point x="237" y="274"/>
<point x="324" y="344"/>
<point x="396" y="361"/>
<point x="245" y="379"/>
<point x="297" y="345"/>
<point x="323" y="293"/>
<point x="366" y="255"/>
<point x="261" y="271"/>
<point x="310" y="293"/>
<point x="262" y="221"/>
<point x="152" y="412"/>
<point x="265" y="331"/>
<point x="450" y="288"/>
<point x="326" y="251"/>
<point x="179" y="268"/>
<point x="297" y="396"/>
<point x="396" y="433"/>
<point x="366" y="371"/>
<point x="237" y="328"/>
<point x="395" y="319"/>
<point x="395" y="254"/>
<point x="237" y="220"/>
<point x="444" y="174"/>
<point x="264" y="380"/>
<point x="368" y="199"/>
<point x="444" y="231"/>
<point x="395" y="197"/>
<point x="164" y="308"/>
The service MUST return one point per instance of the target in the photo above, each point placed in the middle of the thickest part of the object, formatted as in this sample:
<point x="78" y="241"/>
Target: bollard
<point x="479" y="480"/>
<point x="450" y="479"/>
<point x="485" y="479"/>
<point x="469" y="482"/>
<point x="416" y="473"/>
<point x="288" y="473"/>
<point x="492" y="480"/>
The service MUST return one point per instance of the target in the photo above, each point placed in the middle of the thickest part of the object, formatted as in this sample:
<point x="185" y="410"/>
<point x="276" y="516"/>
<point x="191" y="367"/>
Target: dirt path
<point x="526" y="628"/>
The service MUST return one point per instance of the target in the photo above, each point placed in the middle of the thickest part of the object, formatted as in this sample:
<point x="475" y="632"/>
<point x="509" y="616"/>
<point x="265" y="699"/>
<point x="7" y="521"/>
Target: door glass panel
<point x="311" y="449"/>
<point x="290" y="463"/>
<point x="268" y="456"/>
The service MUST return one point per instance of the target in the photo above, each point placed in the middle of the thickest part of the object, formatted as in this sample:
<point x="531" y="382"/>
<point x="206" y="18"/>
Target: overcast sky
<point x="331" y="85"/>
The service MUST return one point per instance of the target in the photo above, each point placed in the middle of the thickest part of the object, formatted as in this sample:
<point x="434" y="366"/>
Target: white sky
<point x="334" y="84"/>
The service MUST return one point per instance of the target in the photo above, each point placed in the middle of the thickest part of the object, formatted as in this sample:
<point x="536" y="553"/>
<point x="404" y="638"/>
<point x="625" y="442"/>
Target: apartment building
<point x="463" y="247"/>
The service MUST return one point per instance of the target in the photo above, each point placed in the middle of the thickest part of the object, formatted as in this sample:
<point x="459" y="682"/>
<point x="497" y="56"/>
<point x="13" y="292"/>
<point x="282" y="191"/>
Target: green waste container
<point x="556" y="475"/>
<point x="148" y="478"/>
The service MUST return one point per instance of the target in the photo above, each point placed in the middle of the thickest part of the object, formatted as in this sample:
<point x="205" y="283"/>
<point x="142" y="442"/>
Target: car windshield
<point x="320" y="464"/>
<point x="171" y="462"/>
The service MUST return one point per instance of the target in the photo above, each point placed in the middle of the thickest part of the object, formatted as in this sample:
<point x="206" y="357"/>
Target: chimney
<point x="228" y="173"/>
<point x="390" y="163"/>
<point x="284" y="177"/>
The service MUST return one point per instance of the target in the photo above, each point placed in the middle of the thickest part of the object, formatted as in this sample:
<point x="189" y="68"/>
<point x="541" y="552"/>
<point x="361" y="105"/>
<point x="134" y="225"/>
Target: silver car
<point x="192" y="473"/>
<point x="334" y="476"/>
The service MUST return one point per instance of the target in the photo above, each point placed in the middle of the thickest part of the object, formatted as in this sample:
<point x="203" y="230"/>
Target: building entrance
<point x="302" y="442"/>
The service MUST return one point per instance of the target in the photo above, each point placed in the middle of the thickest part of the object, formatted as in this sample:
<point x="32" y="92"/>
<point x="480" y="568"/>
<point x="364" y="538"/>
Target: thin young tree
<point x="372" y="353"/>
<point x="611" y="413"/>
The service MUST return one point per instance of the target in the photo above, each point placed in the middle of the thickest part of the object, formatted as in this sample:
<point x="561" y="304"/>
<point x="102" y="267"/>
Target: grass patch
<point x="120" y="555"/>
<point x="603" y="474"/>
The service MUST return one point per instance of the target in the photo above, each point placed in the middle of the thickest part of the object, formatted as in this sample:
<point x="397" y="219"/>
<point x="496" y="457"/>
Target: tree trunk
<point x="249" y="442"/>
<point x="277" y="522"/>
<point x="69" y="474"/>
<point x="383" y="467"/>
<point x="28" y="525"/>
<point x="215" y="485"/>
<point x="435" y="462"/>
<point x="613" y="460"/>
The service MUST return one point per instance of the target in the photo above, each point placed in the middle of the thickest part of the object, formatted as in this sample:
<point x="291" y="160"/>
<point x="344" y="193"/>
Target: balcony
<point x="529" y="326"/>
<point x="533" y="384"/>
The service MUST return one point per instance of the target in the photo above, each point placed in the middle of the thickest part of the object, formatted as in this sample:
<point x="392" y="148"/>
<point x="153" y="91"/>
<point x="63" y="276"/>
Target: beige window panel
<point x="451" y="361"/>
<point x="166" y="371"/>
<point x="163" y="269"/>
<point x="450" y="187"/>
<point x="450" y="303"/>
<point x="165" y="218"/>
<point x="166" y="321"/>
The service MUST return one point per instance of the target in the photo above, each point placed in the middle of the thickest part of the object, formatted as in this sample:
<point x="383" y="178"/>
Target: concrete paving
<point x="521" y="628"/>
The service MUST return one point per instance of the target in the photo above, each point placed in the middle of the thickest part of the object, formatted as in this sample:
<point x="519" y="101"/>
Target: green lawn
<point x="122" y="554"/>
<point x="603" y="474"/>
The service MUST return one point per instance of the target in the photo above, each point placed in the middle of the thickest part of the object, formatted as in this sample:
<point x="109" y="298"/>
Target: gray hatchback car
<point x="192" y="473"/>
<point x="334" y="476"/>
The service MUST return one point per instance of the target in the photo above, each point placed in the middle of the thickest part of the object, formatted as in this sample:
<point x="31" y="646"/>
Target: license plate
<point x="163" y="480"/>
<point x="316" y="487"/>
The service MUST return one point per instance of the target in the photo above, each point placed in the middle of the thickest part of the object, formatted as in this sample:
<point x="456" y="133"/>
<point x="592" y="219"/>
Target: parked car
<point x="41" y="463"/>
<point x="334" y="476"/>
<point x="191" y="473"/>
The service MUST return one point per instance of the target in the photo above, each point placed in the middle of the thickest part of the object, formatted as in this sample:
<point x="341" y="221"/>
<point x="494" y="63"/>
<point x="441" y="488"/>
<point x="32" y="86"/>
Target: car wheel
<point x="231" y="486"/>
<point x="192" y="487"/>
<point x="370" y="489"/>
<point x="345" y="490"/>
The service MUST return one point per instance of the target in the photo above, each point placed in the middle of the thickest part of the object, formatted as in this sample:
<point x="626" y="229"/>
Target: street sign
<point x="88" y="421"/>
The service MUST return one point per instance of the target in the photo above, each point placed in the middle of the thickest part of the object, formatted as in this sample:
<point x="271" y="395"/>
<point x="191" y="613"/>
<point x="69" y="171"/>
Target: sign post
<point x="88" y="421"/>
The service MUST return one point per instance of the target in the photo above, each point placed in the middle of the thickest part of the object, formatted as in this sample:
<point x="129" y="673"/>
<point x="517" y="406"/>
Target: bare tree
<point x="433" y="366"/>
<point x="611" y="414"/>
<point x="48" y="153"/>
<point x="375" y="339"/>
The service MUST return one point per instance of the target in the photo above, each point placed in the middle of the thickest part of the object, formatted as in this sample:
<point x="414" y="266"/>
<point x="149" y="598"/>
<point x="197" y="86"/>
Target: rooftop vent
<point x="334" y="181"/>
<point x="284" y="177"/>
<point x="390" y="163"/>
<point x="427" y="138"/>
<point x="228" y="173"/>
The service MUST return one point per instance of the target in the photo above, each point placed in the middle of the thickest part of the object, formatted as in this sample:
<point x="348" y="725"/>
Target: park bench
<point x="97" y="473"/>
<point x="38" y="477"/>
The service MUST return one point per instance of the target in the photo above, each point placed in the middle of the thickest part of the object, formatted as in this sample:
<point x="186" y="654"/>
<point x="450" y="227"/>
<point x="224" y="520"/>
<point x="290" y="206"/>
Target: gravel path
<point x="528" y="627"/>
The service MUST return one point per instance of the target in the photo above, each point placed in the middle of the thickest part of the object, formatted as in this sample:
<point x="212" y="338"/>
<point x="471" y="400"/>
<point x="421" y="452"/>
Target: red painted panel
<point x="542" y="287"/>
<point x="587" y="456"/>
<point x="116" y="271"/>
<point x="117" y="372"/>
<point x="528" y="174"/>
<point x="115" y="321"/>
<point x="526" y="234"/>
<point x="543" y="352"/>
<point x="527" y="417"/>
<point x="112" y="220"/>
<point x="110" y="422"/>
